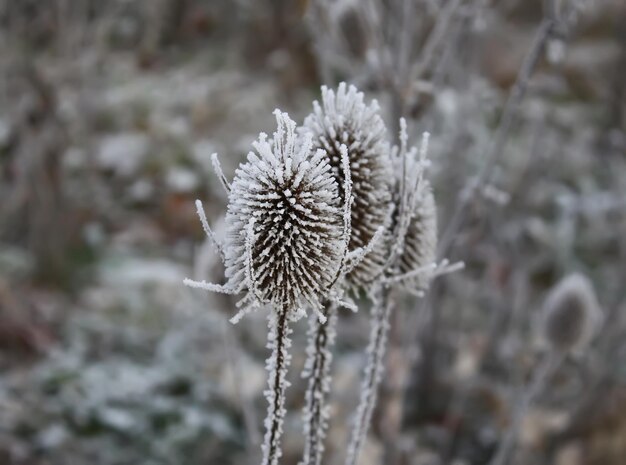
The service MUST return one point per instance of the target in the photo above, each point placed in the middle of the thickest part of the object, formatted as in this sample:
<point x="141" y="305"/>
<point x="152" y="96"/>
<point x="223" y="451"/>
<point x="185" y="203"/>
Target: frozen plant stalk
<point x="286" y="247"/>
<point x="343" y="122"/>
<point x="321" y="339"/>
<point x="410" y="266"/>
<point x="379" y="329"/>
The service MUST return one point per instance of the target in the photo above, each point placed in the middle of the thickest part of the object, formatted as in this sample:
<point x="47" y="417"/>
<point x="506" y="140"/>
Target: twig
<point x="542" y="374"/>
<point x="543" y="34"/>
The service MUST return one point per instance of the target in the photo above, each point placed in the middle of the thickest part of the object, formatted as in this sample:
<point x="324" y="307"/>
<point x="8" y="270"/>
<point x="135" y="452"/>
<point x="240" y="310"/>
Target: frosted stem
<point x="276" y="365"/>
<point x="372" y="375"/>
<point x="541" y="375"/>
<point x="321" y="339"/>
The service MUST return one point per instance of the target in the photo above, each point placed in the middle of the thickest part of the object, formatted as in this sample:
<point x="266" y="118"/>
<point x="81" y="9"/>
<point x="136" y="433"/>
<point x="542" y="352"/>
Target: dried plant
<point x="410" y="266"/>
<point x="286" y="246"/>
<point x="344" y="120"/>
<point x="571" y="314"/>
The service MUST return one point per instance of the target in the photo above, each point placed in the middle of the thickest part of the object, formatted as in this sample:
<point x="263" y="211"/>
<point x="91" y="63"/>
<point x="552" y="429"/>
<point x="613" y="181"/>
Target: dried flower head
<point x="286" y="246"/>
<point x="284" y="224"/>
<point x="413" y="241"/>
<point x="286" y="241"/>
<point x="420" y="242"/>
<point x="344" y="119"/>
<point x="410" y="265"/>
<point x="571" y="314"/>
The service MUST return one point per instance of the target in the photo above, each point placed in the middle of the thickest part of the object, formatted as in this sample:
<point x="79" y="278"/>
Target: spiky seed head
<point x="344" y="118"/>
<point x="284" y="224"/>
<point x="420" y="242"/>
<point x="571" y="314"/>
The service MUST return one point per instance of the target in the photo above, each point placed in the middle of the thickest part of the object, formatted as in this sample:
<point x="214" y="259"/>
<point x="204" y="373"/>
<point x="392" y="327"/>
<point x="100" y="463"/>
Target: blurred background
<point x="109" y="113"/>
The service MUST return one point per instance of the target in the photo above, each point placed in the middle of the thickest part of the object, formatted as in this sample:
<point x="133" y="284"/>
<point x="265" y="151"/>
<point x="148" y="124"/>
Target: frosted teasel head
<point x="287" y="231"/>
<point x="420" y="242"/>
<point x="412" y="252"/>
<point x="571" y="314"/>
<point x="343" y="118"/>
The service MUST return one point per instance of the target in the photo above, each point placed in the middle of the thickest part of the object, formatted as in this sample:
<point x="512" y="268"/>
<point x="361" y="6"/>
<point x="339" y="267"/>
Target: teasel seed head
<point x="412" y="242"/>
<point x="571" y="314"/>
<point x="343" y="118"/>
<point x="420" y="242"/>
<point x="285" y="225"/>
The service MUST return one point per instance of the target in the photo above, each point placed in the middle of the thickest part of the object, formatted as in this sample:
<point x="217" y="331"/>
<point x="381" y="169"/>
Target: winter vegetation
<point x="313" y="232"/>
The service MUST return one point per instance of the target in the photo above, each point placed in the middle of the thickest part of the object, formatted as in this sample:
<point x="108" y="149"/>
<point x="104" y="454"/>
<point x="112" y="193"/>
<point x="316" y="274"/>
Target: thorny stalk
<point x="415" y="226"/>
<point x="317" y="370"/>
<point x="381" y="309"/>
<point x="277" y="365"/>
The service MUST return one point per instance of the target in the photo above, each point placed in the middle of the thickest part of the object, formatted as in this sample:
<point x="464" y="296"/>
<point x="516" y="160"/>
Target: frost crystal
<point x="344" y="119"/>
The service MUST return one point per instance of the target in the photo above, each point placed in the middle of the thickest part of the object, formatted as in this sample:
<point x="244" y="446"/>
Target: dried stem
<point x="544" y="33"/>
<point x="317" y="370"/>
<point x="541" y="375"/>
<point x="381" y="310"/>
<point x="276" y="365"/>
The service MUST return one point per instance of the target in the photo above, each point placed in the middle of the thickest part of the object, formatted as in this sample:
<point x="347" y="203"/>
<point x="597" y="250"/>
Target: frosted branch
<point x="423" y="270"/>
<point x="243" y="312"/>
<point x="445" y="268"/>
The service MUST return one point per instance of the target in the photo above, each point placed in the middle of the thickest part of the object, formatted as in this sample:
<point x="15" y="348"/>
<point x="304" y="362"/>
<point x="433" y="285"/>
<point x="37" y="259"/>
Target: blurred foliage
<point x="109" y="113"/>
